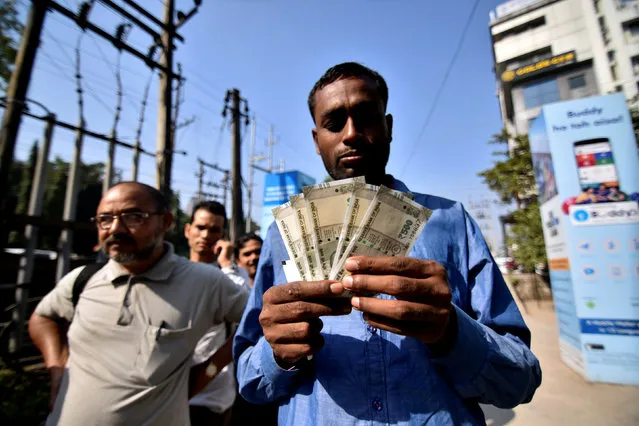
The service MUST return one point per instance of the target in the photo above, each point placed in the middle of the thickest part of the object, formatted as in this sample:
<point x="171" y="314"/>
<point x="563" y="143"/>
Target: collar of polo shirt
<point x="161" y="271"/>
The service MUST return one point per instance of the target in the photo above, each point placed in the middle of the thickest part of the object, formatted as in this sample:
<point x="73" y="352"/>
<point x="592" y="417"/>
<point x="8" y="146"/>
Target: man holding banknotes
<point x="417" y="324"/>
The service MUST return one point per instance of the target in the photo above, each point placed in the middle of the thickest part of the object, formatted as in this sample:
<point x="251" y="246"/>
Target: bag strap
<point x="83" y="277"/>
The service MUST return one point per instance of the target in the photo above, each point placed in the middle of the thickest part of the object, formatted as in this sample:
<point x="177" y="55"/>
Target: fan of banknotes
<point x="333" y="221"/>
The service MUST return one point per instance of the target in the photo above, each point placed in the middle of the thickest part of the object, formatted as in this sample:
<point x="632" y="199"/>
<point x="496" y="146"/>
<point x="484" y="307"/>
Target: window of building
<point x="635" y="64"/>
<point x="540" y="93"/>
<point x="577" y="82"/>
<point x="605" y="34"/>
<point x="611" y="56"/>
<point x="631" y="29"/>
<point x="613" y="72"/>
<point x="596" y="4"/>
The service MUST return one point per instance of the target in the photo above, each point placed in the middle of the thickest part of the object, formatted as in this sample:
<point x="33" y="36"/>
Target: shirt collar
<point x="161" y="271"/>
<point x="398" y="185"/>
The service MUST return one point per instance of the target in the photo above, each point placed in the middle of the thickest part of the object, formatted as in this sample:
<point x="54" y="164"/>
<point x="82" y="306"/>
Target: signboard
<point x="538" y="67"/>
<point x="587" y="173"/>
<point x="277" y="188"/>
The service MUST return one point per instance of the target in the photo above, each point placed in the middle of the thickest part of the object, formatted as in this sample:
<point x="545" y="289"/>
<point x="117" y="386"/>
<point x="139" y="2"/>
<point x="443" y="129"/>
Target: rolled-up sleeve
<point x="502" y="370"/>
<point x="58" y="304"/>
<point x="260" y="378"/>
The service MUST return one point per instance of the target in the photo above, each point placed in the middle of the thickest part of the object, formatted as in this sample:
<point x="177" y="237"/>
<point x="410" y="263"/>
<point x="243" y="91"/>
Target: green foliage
<point x="513" y="179"/>
<point x="10" y="29"/>
<point x="512" y="176"/>
<point x="527" y="238"/>
<point x="24" y="397"/>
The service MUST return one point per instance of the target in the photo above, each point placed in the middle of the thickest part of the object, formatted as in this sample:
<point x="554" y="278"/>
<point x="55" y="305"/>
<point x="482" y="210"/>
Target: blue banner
<point x="277" y="188"/>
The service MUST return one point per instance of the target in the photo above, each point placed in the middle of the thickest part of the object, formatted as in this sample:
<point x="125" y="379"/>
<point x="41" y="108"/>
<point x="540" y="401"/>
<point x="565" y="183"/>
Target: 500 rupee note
<point x="286" y="221"/>
<point x="304" y="225"/>
<point x="327" y="205"/>
<point x="390" y="228"/>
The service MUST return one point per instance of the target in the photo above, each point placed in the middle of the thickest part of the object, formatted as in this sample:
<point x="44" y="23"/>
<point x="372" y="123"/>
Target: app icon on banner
<point x="585" y="246"/>
<point x="589" y="272"/>
<point x="611" y="245"/>
<point x="617" y="272"/>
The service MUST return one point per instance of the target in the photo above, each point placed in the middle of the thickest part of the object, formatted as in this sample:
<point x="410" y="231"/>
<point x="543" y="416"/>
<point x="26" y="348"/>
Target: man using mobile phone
<point x="211" y="403"/>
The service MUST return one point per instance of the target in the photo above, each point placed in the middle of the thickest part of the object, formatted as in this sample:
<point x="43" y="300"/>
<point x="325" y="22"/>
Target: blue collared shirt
<point x="364" y="375"/>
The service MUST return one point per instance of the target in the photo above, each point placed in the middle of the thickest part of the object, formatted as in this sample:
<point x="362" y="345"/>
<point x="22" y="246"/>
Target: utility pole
<point x="70" y="204"/>
<point x="25" y="272"/>
<point x="16" y="94"/>
<point x="165" y="108"/>
<point x="237" y="216"/>
<point x="200" y="180"/>
<point x="249" y="189"/>
<point x="225" y="183"/>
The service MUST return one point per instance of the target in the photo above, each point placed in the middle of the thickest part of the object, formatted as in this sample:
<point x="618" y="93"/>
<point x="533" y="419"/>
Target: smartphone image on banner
<point x="595" y="164"/>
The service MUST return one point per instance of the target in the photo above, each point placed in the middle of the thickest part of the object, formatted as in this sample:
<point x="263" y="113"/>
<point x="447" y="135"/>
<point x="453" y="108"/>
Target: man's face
<point x="205" y="230"/>
<point x="129" y="244"/>
<point x="249" y="255"/>
<point x="352" y="132"/>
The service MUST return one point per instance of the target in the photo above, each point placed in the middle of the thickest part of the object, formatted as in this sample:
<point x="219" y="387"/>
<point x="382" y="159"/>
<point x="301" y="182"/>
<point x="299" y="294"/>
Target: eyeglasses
<point x="131" y="220"/>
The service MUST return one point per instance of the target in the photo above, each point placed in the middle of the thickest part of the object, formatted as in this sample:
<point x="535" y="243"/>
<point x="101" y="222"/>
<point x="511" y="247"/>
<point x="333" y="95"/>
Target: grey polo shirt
<point x="131" y="340"/>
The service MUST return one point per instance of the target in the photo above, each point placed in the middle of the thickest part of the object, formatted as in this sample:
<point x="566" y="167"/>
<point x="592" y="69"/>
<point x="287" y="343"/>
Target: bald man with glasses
<point x="126" y="358"/>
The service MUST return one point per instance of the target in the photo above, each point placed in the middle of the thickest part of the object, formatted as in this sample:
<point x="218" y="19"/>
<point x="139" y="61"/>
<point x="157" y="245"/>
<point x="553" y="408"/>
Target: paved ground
<point x="565" y="398"/>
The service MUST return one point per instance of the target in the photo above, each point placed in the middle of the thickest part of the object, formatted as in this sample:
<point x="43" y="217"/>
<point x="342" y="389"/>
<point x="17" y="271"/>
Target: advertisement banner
<point x="586" y="168"/>
<point x="277" y="188"/>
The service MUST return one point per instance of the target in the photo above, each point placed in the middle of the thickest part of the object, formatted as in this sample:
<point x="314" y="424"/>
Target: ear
<point x="187" y="229"/>
<point x="167" y="220"/>
<point x="314" y="132"/>
<point x="389" y="127"/>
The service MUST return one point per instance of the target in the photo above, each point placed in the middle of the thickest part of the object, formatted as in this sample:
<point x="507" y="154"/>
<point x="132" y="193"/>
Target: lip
<point x="352" y="159"/>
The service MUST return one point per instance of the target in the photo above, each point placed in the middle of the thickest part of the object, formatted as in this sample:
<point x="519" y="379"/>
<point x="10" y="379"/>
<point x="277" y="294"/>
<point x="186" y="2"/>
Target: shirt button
<point x="372" y="329"/>
<point x="377" y="405"/>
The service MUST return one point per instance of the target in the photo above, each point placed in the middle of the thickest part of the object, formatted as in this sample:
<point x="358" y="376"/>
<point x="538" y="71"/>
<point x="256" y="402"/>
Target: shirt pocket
<point x="163" y="351"/>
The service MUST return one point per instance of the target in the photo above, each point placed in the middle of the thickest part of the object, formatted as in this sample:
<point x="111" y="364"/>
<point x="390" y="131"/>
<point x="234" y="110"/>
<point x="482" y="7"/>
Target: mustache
<point x="350" y="152"/>
<point x="119" y="238"/>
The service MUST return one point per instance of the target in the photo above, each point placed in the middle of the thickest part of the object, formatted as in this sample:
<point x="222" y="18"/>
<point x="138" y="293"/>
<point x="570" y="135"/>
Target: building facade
<point x="548" y="51"/>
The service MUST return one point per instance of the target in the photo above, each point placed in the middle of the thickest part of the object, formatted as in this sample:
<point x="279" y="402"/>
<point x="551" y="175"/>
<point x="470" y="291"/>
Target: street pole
<point x="237" y="216"/>
<point x="200" y="180"/>
<point x="249" y="190"/>
<point x="136" y="161"/>
<point x="70" y="204"/>
<point x="164" y="129"/>
<point x="225" y="183"/>
<point x="25" y="272"/>
<point x="16" y="96"/>
<point x="108" y="173"/>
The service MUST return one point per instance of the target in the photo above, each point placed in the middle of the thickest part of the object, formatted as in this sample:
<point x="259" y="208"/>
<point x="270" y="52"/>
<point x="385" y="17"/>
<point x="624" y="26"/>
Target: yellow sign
<point x="544" y="64"/>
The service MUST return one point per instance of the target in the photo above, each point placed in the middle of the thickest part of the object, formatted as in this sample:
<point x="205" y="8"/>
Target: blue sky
<point x="273" y="51"/>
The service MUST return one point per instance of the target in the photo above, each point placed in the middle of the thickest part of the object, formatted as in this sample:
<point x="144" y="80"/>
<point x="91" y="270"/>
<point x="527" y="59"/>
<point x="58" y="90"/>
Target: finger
<point x="401" y="310"/>
<point x="298" y="332"/>
<point x="293" y="352"/>
<point x="422" y="331"/>
<point x="394" y="265"/>
<point x="302" y="290"/>
<point x="300" y="311"/>
<point x="433" y="289"/>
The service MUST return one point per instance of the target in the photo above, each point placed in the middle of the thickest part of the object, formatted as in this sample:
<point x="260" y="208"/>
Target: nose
<point x="117" y="226"/>
<point x="351" y="133"/>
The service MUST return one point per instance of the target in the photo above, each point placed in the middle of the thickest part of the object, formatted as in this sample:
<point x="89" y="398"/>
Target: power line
<point x="440" y="89"/>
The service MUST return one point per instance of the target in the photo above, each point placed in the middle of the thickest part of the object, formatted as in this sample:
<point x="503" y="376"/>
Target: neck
<point x="380" y="179"/>
<point x="144" y="265"/>
<point x="201" y="257"/>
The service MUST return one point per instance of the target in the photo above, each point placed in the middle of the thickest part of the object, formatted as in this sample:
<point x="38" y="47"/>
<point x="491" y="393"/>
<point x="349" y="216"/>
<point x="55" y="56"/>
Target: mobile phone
<point x="595" y="163"/>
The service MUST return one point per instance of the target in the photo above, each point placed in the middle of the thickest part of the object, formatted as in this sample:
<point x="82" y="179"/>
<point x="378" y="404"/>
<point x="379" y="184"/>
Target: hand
<point x="56" y="374"/>
<point x="290" y="317"/>
<point x="224" y="251"/>
<point x="423" y="308"/>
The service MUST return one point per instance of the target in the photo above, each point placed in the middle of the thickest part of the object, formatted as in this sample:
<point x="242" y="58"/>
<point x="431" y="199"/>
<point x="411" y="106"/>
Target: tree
<point x="513" y="179"/>
<point x="10" y="29"/>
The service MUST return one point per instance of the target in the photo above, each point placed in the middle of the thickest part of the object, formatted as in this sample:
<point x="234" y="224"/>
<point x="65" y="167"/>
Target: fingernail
<point x="351" y="264"/>
<point x="337" y="288"/>
<point x="348" y="282"/>
<point x="355" y="302"/>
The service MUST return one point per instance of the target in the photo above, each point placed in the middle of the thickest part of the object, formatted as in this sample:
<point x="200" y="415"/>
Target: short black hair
<point x="212" y="207"/>
<point x="348" y="70"/>
<point x="241" y="242"/>
<point x="160" y="201"/>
